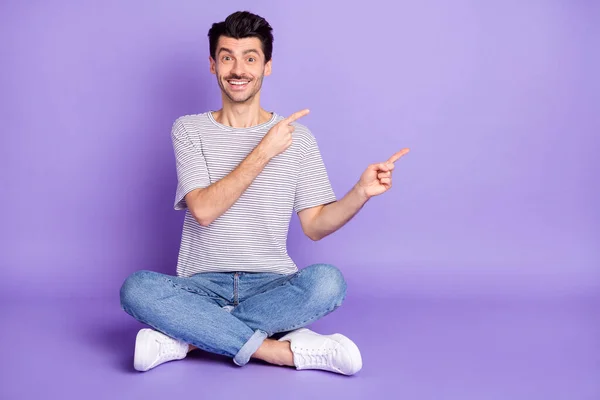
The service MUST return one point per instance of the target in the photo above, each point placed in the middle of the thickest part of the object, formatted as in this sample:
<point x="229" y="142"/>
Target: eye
<point x="226" y="58"/>
<point x="252" y="59"/>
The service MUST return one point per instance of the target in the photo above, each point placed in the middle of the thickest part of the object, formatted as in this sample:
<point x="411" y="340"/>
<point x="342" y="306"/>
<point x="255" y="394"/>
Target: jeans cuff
<point x="249" y="348"/>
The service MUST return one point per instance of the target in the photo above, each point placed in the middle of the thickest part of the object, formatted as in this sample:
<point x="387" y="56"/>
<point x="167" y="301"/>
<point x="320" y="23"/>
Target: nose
<point x="236" y="69"/>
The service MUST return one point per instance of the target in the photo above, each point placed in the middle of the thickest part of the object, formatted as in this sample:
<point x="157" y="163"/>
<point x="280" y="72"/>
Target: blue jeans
<point x="232" y="313"/>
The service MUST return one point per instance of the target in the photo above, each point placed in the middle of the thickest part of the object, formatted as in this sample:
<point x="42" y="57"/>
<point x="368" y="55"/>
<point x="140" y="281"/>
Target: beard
<point x="240" y="97"/>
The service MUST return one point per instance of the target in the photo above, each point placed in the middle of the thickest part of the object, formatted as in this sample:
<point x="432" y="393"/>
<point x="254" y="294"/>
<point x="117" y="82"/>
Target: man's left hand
<point x="377" y="178"/>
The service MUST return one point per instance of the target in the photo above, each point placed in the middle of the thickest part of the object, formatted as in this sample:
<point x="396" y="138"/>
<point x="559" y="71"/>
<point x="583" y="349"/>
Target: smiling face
<point x="240" y="66"/>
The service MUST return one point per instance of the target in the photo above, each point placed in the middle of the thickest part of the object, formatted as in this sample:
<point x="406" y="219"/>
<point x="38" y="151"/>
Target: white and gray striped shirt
<point x="252" y="235"/>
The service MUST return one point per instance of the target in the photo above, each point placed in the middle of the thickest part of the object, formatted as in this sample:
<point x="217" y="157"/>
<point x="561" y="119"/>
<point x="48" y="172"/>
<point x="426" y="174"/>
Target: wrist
<point x="361" y="192"/>
<point x="261" y="156"/>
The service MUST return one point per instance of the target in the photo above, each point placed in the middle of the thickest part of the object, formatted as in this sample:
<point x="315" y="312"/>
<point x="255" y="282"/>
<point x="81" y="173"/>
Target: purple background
<point x="498" y="103"/>
<point x="498" y="198"/>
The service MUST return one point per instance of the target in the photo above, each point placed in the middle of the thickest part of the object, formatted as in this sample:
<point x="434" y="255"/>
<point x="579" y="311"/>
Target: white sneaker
<point x="153" y="348"/>
<point x="335" y="353"/>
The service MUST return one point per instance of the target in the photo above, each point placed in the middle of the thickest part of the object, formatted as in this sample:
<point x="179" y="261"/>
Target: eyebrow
<point x="225" y="49"/>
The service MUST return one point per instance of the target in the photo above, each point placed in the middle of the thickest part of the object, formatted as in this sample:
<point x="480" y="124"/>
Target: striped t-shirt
<point x="251" y="235"/>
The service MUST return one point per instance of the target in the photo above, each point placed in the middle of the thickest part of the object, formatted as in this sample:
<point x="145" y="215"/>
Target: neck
<point x="241" y="115"/>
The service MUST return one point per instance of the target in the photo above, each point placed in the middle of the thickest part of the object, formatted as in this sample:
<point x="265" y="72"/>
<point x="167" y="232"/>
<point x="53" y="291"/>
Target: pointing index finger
<point x="297" y="115"/>
<point x="399" y="154"/>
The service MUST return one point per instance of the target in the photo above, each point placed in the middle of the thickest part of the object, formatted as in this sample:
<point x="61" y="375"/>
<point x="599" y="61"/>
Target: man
<point x="241" y="172"/>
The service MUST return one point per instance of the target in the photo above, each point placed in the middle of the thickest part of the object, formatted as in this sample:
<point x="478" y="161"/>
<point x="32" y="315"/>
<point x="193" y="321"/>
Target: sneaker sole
<point x="142" y="343"/>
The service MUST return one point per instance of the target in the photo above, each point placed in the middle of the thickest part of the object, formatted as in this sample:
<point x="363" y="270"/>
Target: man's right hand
<point x="279" y="137"/>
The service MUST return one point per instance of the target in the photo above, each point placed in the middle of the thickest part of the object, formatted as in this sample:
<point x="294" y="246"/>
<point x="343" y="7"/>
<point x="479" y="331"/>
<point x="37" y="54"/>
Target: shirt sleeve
<point x="192" y="171"/>
<point x="313" y="187"/>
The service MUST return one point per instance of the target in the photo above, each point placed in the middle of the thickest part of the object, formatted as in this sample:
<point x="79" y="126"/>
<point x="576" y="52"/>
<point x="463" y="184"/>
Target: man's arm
<point x="318" y="222"/>
<point x="209" y="203"/>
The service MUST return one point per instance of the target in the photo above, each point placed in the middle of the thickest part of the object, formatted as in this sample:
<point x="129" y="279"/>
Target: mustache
<point x="238" y="77"/>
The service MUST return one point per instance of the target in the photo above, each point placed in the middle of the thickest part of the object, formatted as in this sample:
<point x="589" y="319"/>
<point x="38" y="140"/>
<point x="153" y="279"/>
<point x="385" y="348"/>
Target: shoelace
<point x="168" y="347"/>
<point x="317" y="357"/>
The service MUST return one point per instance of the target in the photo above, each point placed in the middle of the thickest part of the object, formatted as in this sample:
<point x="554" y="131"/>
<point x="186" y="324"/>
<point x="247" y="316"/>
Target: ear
<point x="213" y="66"/>
<point x="268" y="66"/>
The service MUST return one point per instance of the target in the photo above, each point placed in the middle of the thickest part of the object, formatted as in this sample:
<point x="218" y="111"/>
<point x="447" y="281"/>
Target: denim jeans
<point x="232" y="313"/>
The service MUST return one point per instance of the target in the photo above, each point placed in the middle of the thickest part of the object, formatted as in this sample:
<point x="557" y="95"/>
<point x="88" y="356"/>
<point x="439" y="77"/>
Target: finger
<point x="382" y="167"/>
<point x="399" y="154"/>
<point x="386" y="181"/>
<point x="384" y="175"/>
<point x="296" y="115"/>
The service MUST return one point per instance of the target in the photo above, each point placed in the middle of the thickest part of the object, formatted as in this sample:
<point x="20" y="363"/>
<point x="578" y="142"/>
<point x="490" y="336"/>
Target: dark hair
<point x="239" y="25"/>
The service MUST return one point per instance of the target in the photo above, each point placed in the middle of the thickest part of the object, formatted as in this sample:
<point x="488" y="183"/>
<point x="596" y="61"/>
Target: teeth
<point x="238" y="82"/>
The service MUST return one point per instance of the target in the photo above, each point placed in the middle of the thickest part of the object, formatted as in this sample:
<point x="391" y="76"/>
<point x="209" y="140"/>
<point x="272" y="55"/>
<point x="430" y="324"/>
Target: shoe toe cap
<point x="352" y="359"/>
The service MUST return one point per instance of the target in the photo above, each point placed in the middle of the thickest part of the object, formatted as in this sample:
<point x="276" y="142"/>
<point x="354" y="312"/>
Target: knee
<point x="138" y="289"/>
<point x="327" y="282"/>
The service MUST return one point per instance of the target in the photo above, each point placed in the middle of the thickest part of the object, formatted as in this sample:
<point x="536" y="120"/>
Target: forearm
<point x="335" y="215"/>
<point x="210" y="203"/>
